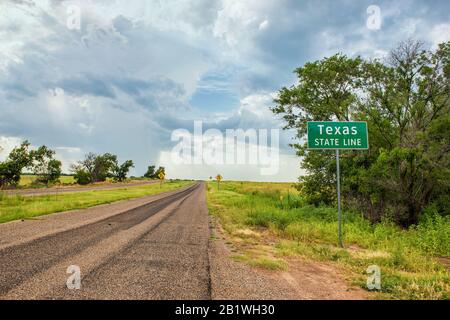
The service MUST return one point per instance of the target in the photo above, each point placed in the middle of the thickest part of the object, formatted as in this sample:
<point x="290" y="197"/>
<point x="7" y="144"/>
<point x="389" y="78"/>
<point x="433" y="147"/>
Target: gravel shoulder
<point x="303" y="280"/>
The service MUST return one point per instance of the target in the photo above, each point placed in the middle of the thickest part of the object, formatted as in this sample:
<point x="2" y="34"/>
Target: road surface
<point x="158" y="250"/>
<point x="71" y="189"/>
<point x="156" y="247"/>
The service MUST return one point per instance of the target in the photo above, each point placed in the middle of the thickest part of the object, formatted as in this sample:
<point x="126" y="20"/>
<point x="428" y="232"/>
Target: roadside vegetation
<point x="405" y="100"/>
<point x="270" y="224"/>
<point x="15" y="207"/>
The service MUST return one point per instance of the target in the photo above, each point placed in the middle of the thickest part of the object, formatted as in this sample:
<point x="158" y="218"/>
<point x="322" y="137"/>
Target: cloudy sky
<point x="134" y="71"/>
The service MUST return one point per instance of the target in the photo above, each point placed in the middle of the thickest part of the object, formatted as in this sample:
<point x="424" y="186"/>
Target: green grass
<point x="28" y="180"/>
<point x="14" y="207"/>
<point x="275" y="215"/>
<point x="261" y="262"/>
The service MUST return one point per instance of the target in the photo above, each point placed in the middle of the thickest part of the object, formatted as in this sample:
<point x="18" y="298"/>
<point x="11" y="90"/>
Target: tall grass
<point x="408" y="258"/>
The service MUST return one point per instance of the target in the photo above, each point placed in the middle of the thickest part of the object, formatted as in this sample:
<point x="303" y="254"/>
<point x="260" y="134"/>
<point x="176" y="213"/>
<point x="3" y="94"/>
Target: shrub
<point x="82" y="177"/>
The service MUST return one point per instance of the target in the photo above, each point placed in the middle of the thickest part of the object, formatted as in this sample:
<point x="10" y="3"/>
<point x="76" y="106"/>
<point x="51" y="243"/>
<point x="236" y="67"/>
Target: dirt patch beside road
<point x="301" y="280"/>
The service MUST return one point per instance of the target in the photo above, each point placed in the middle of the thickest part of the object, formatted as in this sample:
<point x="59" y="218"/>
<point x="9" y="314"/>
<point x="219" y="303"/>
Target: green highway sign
<point x="337" y="135"/>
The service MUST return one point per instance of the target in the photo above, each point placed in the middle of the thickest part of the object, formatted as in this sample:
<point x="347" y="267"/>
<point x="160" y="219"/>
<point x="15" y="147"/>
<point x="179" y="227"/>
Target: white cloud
<point x="238" y="23"/>
<point x="7" y="144"/>
<point x="263" y="25"/>
<point x="68" y="156"/>
<point x="439" y="34"/>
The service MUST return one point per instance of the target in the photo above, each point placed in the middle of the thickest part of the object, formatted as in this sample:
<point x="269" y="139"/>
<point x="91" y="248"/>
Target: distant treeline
<point x="42" y="164"/>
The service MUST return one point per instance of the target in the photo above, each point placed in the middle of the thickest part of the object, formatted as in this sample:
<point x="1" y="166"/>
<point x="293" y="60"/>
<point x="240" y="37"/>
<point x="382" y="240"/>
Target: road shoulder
<point x="300" y="280"/>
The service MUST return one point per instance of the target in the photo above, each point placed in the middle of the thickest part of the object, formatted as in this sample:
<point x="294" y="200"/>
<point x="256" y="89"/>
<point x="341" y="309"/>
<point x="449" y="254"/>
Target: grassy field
<point x="27" y="180"/>
<point x="270" y="224"/>
<point x="20" y="207"/>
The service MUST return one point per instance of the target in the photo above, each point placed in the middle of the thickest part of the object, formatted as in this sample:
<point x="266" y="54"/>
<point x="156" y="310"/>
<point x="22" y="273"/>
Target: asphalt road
<point x="156" y="250"/>
<point x="58" y="190"/>
<point x="162" y="246"/>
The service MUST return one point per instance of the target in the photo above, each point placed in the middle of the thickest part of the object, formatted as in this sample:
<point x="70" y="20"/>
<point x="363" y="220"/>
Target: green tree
<point x="104" y="166"/>
<point x="154" y="174"/>
<point x="405" y="101"/>
<point x="150" y="172"/>
<point x="88" y="165"/>
<point x="40" y="161"/>
<point x="326" y="91"/>
<point x="97" y="168"/>
<point x="408" y="108"/>
<point x="120" y="172"/>
<point x="11" y="169"/>
<point x="81" y="175"/>
<point x="53" y="170"/>
<point x="44" y="166"/>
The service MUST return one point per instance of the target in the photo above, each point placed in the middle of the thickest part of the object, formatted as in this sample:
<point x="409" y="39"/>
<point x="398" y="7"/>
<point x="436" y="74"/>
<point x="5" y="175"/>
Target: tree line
<point x="405" y="101"/>
<point x="41" y="163"/>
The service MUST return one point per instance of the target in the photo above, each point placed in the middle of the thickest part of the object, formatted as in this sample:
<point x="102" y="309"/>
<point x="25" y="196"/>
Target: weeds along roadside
<point x="269" y="223"/>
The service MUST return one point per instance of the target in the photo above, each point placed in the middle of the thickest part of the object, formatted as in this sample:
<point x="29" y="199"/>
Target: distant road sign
<point x="337" y="135"/>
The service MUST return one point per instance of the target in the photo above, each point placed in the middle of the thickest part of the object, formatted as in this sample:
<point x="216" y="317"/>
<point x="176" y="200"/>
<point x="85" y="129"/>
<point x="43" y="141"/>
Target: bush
<point x="433" y="233"/>
<point x="82" y="177"/>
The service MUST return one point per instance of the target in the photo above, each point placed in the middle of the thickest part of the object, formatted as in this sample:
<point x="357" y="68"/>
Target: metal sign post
<point x="218" y="178"/>
<point x="326" y="135"/>
<point x="338" y="179"/>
